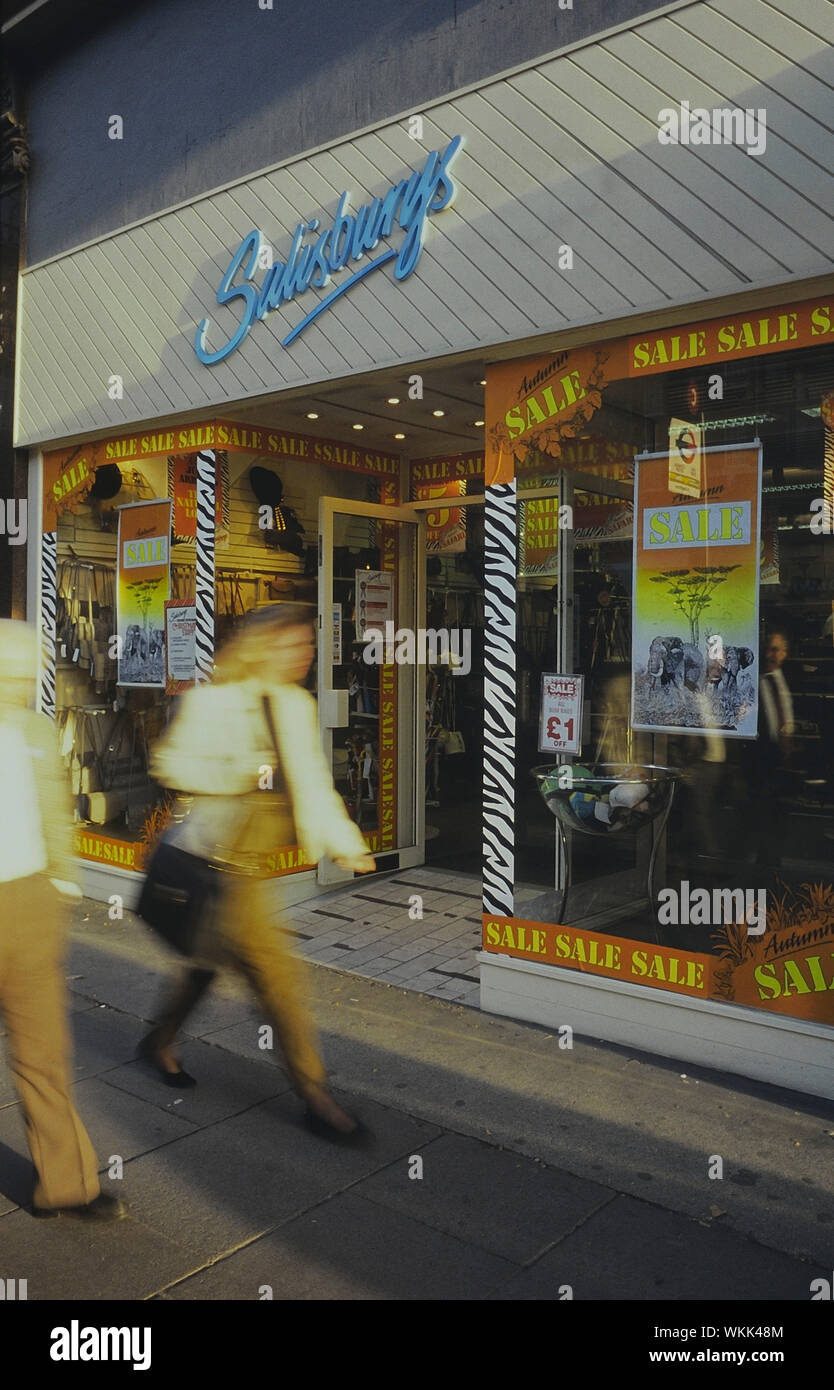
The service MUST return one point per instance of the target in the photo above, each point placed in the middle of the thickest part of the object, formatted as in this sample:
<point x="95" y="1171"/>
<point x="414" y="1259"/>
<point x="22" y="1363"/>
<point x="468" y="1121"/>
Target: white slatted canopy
<point x="563" y="153"/>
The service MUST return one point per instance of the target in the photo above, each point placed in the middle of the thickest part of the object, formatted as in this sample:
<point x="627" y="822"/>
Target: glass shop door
<point x="371" y="682"/>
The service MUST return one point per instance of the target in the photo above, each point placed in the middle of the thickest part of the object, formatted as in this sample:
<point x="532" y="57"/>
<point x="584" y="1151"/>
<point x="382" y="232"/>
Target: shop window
<point x="742" y="898"/>
<point x="118" y="673"/>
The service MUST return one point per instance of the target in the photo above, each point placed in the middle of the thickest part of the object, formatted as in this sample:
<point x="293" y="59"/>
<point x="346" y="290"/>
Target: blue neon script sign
<point x="352" y="237"/>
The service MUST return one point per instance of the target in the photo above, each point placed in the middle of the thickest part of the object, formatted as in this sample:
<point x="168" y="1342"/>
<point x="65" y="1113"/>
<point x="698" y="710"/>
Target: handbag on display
<point x="84" y="763"/>
<point x="101" y="807"/>
<point x="453" y="742"/>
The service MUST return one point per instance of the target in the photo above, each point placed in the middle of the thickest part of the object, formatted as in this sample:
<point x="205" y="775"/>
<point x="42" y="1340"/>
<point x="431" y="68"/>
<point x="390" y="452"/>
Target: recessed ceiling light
<point x="393" y="400"/>
<point x="399" y="436"/>
<point x="359" y="427"/>
<point x="438" y="412"/>
<point x="482" y="381"/>
<point x="477" y="422"/>
<point x="312" y="415"/>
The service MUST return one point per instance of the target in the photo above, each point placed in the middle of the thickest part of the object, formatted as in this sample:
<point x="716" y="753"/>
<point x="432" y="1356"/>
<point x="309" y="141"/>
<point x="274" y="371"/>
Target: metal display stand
<point x="662" y="782"/>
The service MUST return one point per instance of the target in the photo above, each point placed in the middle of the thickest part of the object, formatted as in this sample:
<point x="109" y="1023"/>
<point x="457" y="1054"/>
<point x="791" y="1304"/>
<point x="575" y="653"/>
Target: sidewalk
<point x="541" y="1167"/>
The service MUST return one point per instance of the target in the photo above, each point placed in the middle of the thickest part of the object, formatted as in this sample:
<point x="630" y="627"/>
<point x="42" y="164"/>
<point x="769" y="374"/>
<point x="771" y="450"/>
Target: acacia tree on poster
<point x="143" y="593"/>
<point x="691" y="591"/>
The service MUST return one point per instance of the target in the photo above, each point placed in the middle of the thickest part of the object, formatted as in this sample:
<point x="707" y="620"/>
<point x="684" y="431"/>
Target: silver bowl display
<point x="607" y="798"/>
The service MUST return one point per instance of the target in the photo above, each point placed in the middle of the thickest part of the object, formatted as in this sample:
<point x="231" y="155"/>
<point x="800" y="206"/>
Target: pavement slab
<point x="119" y="1126"/>
<point x="351" y="1249"/>
<point x="8" y="1093"/>
<point x="70" y="1260"/>
<point x="16" y="1171"/>
<point x="215" y="1189"/>
<point x="103" y="1039"/>
<point x="629" y="1250"/>
<point x="510" y="1206"/>
<point x="227" y="1084"/>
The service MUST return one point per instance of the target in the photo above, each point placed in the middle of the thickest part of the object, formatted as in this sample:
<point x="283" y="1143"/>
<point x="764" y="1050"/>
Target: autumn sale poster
<point x="695" y="614"/>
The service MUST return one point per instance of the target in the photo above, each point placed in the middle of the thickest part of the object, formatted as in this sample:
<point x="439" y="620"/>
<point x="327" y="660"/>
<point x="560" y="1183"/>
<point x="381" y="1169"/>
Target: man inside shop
<point x="772" y="773"/>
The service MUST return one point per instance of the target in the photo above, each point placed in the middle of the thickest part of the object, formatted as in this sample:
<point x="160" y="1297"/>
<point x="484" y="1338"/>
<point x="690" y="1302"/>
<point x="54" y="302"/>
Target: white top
<point x="220" y="740"/>
<point x="22" y="847"/>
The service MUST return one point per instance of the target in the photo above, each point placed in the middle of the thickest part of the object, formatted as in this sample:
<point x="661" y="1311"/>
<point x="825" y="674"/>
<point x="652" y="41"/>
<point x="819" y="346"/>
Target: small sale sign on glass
<point x="560" y="725"/>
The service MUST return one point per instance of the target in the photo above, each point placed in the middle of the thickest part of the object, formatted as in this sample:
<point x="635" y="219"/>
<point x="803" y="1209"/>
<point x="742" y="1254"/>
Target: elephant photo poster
<point x="144" y="586"/>
<point x="695" y="615"/>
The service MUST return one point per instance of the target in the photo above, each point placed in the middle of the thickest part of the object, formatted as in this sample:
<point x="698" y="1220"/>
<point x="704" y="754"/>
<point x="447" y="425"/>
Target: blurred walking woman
<point x="246" y="752"/>
<point x="37" y="879"/>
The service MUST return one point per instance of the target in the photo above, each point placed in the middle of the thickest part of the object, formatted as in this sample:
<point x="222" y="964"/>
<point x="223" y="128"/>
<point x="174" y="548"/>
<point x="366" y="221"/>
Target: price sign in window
<point x="560" y="724"/>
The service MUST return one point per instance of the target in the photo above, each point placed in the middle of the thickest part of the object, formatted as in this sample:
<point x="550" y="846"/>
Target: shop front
<point x="633" y="585"/>
<point x="559" y="481"/>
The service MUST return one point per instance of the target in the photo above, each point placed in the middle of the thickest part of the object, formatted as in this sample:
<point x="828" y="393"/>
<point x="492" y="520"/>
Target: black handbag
<point x="177" y="894"/>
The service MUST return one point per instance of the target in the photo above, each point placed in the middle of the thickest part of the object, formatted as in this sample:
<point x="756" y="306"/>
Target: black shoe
<point x="360" y="1136"/>
<point x="146" y="1051"/>
<point x="102" y="1208"/>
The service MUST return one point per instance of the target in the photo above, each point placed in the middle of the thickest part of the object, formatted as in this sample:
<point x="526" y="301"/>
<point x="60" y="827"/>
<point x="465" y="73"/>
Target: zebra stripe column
<point x="49" y="605"/>
<point x="204" y="634"/>
<point x="499" y="698"/>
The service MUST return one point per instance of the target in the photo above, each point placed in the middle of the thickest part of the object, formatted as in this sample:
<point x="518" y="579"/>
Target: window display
<point x="125" y="619"/>
<point x="688" y="845"/>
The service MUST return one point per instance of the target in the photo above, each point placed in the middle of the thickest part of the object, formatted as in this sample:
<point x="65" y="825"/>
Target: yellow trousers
<point x="34" y="1007"/>
<point x="245" y="934"/>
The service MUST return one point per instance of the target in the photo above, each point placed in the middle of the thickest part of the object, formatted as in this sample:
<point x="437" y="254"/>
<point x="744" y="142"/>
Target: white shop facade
<point x="409" y="379"/>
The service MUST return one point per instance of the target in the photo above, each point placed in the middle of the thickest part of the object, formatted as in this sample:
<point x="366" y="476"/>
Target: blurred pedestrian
<point x="704" y="775"/>
<point x="776" y="721"/>
<point x="773" y="776"/>
<point x="36" y="881"/>
<point x="245" y="751"/>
